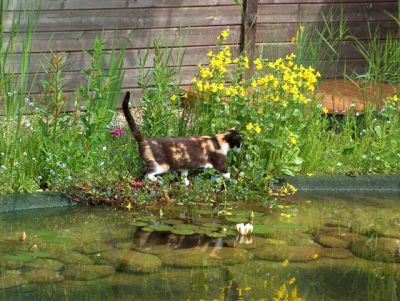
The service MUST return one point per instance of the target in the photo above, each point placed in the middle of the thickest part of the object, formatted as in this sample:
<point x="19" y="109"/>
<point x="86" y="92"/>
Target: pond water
<point x="312" y="248"/>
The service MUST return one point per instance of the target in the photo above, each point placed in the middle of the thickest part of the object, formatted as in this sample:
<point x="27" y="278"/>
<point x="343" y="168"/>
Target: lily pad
<point x="157" y="228"/>
<point x="21" y="257"/>
<point x="216" y="234"/>
<point x="53" y="237"/>
<point x="182" y="232"/>
<point x="194" y="228"/>
<point x="147" y="218"/>
<point x="262" y="229"/>
<point x="172" y="221"/>
<point x="140" y="224"/>
<point x="237" y="219"/>
<point x="212" y="227"/>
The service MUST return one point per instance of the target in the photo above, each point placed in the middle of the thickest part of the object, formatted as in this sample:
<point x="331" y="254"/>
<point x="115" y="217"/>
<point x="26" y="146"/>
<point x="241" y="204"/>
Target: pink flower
<point x="117" y="132"/>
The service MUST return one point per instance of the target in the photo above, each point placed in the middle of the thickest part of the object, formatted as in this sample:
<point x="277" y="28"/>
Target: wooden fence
<point x="71" y="25"/>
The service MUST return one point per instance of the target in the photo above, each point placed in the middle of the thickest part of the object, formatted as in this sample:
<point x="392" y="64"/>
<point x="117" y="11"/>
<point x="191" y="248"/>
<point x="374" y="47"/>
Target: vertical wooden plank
<point x="248" y="42"/>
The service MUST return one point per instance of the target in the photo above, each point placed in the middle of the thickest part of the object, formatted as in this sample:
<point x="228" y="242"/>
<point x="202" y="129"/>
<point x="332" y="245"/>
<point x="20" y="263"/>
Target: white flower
<point x="245" y="239"/>
<point x="104" y="148"/>
<point x="244" y="229"/>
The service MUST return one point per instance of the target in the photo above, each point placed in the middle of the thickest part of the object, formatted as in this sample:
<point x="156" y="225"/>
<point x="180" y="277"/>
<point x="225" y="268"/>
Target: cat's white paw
<point x="186" y="182"/>
<point x="152" y="177"/>
<point x="226" y="175"/>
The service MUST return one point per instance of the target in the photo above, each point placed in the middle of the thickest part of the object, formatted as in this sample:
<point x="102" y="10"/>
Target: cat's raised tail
<point x="129" y="118"/>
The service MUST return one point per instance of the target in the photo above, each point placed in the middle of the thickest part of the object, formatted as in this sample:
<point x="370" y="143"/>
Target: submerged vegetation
<point x="273" y="103"/>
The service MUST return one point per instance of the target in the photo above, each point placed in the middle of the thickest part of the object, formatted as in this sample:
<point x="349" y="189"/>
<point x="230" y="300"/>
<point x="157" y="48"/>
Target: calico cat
<point x="181" y="154"/>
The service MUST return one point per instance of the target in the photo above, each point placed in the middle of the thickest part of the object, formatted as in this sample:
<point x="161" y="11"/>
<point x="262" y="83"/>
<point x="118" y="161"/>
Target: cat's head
<point x="234" y="139"/>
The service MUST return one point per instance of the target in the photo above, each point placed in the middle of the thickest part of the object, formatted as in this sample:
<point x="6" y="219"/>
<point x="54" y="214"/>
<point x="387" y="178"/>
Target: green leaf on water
<point x="187" y="227"/>
<point x="216" y="234"/>
<point x="157" y="228"/>
<point x="21" y="257"/>
<point x="53" y="237"/>
<point x="182" y="232"/>
<point x="262" y="229"/>
<point x="140" y="224"/>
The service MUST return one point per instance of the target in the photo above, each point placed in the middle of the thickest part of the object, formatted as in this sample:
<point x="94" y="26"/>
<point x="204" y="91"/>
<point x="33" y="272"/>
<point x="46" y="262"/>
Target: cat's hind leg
<point x="157" y="169"/>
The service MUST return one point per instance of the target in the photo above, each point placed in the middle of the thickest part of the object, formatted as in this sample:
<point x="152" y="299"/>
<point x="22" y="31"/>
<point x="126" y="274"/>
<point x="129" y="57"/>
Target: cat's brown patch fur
<point x="166" y="154"/>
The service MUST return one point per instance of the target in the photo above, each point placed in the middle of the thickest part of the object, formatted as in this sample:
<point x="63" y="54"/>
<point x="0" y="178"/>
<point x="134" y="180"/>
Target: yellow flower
<point x="254" y="83"/>
<point x="315" y="256"/>
<point x="309" y="174"/>
<point x="249" y="126"/>
<point x="292" y="189"/>
<point x="395" y="98"/>
<point x="173" y="97"/>
<point x="257" y="129"/>
<point x="292" y="280"/>
<point x="325" y="110"/>
<point x="210" y="54"/>
<point x="285" y="263"/>
<point x="129" y="206"/>
<point x="228" y="213"/>
<point x="224" y="35"/>
<point x="292" y="138"/>
<point x="258" y="64"/>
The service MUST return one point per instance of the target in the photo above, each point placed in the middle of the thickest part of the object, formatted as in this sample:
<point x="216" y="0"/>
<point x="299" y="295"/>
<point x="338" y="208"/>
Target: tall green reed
<point x="16" y="28"/>
<point x="160" y="87"/>
<point x="382" y="55"/>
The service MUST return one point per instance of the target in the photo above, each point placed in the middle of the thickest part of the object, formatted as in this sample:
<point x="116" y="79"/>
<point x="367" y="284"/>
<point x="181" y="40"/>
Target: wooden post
<point x="248" y="33"/>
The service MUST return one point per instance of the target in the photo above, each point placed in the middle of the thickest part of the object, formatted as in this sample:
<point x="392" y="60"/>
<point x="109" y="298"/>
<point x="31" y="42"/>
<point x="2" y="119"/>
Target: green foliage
<point x="382" y="57"/>
<point x="285" y="128"/>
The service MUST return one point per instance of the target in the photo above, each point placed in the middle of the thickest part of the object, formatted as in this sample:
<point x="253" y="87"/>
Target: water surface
<point x="318" y="247"/>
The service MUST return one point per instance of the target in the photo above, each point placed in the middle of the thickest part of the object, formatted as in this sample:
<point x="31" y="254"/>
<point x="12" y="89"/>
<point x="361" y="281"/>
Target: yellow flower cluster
<point x="256" y="128"/>
<point x="281" y="82"/>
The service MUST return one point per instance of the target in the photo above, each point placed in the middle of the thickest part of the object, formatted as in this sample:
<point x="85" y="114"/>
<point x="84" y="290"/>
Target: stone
<point x="126" y="245"/>
<point x="132" y="261"/>
<point x="257" y="242"/>
<point x="93" y="247"/>
<point x="338" y="253"/>
<point x="331" y="241"/>
<point x="204" y="257"/>
<point x="87" y="272"/>
<point x="11" y="279"/>
<point x="75" y="258"/>
<point x="291" y="253"/>
<point x="380" y="248"/>
<point x="43" y="276"/>
<point x="48" y="264"/>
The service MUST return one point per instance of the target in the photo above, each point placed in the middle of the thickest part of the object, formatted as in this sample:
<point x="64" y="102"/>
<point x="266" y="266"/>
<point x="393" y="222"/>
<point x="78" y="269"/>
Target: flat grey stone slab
<point x="15" y="202"/>
<point x="337" y="183"/>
